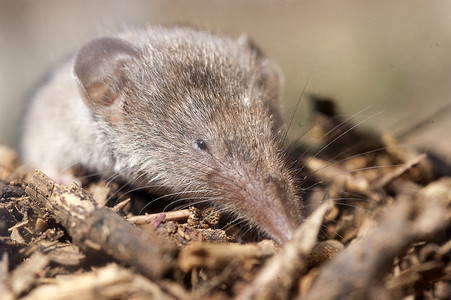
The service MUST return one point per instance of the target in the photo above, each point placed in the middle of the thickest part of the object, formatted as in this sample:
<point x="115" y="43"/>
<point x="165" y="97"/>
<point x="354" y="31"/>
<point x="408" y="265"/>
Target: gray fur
<point x="140" y="106"/>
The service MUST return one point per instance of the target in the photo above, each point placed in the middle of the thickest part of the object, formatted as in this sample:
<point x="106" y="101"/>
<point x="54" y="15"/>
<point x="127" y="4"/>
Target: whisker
<point x="348" y="130"/>
<point x="67" y="168"/>
<point x="304" y="88"/>
<point x="90" y="175"/>
<point x="331" y="162"/>
<point x="191" y="202"/>
<point x="334" y="129"/>
<point x="171" y="195"/>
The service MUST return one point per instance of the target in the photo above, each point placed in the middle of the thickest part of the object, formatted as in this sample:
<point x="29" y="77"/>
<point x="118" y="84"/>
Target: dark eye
<point x="202" y="145"/>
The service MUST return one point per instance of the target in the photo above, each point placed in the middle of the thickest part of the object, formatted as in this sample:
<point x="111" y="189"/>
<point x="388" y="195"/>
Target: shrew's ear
<point x="245" y="41"/>
<point x="269" y="76"/>
<point x="99" y="71"/>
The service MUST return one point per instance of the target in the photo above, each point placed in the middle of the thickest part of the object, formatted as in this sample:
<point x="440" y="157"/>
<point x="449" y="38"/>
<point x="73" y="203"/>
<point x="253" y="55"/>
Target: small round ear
<point x="270" y="75"/>
<point x="98" y="70"/>
<point x="245" y="41"/>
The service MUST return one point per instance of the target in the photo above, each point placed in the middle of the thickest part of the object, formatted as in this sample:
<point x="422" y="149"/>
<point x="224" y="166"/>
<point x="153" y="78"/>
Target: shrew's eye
<point x="202" y="145"/>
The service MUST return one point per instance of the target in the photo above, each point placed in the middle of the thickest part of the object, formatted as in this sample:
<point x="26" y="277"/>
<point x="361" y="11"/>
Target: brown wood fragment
<point x="408" y="155"/>
<point x="176" y="215"/>
<point x="201" y="255"/>
<point x="415" y="276"/>
<point x="340" y="177"/>
<point x="23" y="278"/>
<point x="121" y="205"/>
<point x="364" y="263"/>
<point x="100" y="193"/>
<point x="110" y="282"/>
<point x="100" y="229"/>
<point x="63" y="253"/>
<point x="382" y="182"/>
<point x="306" y="282"/>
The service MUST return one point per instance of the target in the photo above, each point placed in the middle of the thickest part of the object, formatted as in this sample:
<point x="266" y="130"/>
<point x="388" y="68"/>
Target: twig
<point x="382" y="182"/>
<point x="177" y="215"/>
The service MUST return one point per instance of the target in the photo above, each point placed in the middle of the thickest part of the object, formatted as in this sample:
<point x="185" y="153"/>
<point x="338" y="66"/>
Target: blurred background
<point x="389" y="58"/>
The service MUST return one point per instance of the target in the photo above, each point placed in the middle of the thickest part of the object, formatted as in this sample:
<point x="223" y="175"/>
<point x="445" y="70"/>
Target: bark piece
<point x="100" y="229"/>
